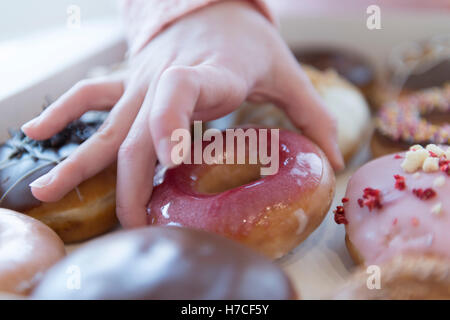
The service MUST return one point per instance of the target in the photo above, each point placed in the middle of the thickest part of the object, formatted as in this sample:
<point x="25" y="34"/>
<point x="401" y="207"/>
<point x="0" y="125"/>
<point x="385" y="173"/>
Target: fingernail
<point x="165" y="152"/>
<point x="41" y="182"/>
<point x="28" y="124"/>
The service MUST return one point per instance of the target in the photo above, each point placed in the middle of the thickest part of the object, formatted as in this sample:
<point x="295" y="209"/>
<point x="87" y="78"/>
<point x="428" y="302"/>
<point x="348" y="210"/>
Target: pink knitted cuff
<point x="144" y="19"/>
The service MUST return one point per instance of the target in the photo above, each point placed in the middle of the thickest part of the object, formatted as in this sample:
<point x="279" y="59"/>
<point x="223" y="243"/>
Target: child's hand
<point x="201" y="67"/>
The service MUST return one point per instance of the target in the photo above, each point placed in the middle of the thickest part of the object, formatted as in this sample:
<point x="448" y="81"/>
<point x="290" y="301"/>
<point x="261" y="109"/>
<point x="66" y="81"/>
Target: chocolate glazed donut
<point x="166" y="263"/>
<point x="87" y="211"/>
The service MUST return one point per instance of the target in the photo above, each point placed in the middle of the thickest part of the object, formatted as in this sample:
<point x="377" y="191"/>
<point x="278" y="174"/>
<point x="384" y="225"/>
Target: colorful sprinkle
<point x="402" y="120"/>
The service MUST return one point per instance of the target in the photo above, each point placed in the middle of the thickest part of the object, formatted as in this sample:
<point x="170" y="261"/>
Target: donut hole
<point x="220" y="178"/>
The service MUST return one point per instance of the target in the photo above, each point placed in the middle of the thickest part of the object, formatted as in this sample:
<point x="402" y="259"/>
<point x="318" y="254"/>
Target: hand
<point x="200" y="68"/>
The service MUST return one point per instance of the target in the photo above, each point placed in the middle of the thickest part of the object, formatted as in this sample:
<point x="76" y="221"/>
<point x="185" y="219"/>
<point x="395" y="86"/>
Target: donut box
<point x="320" y="264"/>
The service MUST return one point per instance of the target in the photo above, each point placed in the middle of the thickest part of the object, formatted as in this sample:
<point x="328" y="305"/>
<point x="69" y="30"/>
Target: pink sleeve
<point x="333" y="7"/>
<point x="146" y="18"/>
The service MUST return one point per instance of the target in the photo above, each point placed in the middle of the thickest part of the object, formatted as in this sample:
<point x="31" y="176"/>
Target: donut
<point x="414" y="66"/>
<point x="27" y="249"/>
<point x="165" y="263"/>
<point x="271" y="214"/>
<point x="421" y="64"/>
<point x="403" y="123"/>
<point x="399" y="204"/>
<point x="405" y="277"/>
<point x="85" y="212"/>
<point x="349" y="65"/>
<point x="342" y="100"/>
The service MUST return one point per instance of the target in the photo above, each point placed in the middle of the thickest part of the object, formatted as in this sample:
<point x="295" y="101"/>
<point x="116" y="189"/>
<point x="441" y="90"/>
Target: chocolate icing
<point x="23" y="160"/>
<point x="166" y="263"/>
<point x="349" y="65"/>
<point x="433" y="77"/>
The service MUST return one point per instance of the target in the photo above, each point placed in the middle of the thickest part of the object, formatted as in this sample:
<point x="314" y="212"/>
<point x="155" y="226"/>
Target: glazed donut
<point x="83" y="213"/>
<point x="351" y="66"/>
<point x="412" y="277"/>
<point x="399" y="204"/>
<point x="27" y="249"/>
<point x="166" y="263"/>
<point x="270" y="214"/>
<point x="403" y="123"/>
<point x="341" y="98"/>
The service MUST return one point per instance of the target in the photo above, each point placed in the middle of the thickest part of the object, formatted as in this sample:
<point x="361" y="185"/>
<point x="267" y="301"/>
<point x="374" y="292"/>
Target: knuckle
<point x="159" y="117"/>
<point x="85" y="89"/>
<point x="71" y="169"/>
<point x="106" y="134"/>
<point x="122" y="212"/>
<point x="127" y="150"/>
<point x="177" y="74"/>
<point x="83" y="85"/>
<point x="237" y="92"/>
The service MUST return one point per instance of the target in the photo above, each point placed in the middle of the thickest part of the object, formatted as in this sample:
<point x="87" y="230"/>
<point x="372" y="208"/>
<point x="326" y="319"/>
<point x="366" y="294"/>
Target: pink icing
<point x="176" y="202"/>
<point x="405" y="223"/>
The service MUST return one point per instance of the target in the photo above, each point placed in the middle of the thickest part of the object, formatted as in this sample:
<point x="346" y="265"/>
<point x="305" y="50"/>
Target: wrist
<point x="146" y="19"/>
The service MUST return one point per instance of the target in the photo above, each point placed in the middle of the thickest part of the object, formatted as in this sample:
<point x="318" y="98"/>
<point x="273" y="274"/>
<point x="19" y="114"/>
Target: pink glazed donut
<point x="271" y="214"/>
<point x="399" y="204"/>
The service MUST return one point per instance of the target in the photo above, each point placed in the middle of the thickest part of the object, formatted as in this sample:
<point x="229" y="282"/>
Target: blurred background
<point x="23" y="17"/>
<point x="48" y="45"/>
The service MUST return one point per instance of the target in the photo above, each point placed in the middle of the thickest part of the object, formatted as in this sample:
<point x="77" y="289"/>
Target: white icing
<point x="414" y="160"/>
<point x="430" y="164"/>
<point x="415" y="147"/>
<point x="435" y="149"/>
<point x="428" y="159"/>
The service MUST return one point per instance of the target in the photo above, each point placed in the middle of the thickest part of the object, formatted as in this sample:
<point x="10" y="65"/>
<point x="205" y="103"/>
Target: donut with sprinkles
<point x="402" y="123"/>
